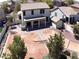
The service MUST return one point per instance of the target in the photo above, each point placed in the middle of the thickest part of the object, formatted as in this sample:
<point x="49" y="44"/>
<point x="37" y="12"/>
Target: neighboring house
<point x="67" y="14"/>
<point x="35" y="15"/>
<point x="2" y="17"/>
<point x="76" y="8"/>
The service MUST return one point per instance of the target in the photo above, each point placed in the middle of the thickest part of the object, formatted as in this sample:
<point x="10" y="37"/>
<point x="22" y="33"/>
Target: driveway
<point x="70" y="36"/>
<point x="69" y="28"/>
<point x="70" y="42"/>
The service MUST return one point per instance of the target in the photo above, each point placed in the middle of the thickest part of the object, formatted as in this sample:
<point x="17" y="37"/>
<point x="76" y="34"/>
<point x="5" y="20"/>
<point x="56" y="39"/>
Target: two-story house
<point x="35" y="15"/>
<point x="76" y="8"/>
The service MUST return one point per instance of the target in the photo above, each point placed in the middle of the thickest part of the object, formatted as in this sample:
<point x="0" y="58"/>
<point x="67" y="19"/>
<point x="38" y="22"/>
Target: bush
<point x="76" y="31"/>
<point x="60" y="25"/>
<point x="74" y="55"/>
<point x="77" y="36"/>
<point x="67" y="53"/>
<point x="63" y="56"/>
<point x="45" y="57"/>
<point x="31" y="58"/>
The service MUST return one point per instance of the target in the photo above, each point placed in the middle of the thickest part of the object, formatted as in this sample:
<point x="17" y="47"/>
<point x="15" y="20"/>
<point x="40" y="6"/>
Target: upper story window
<point x="42" y="11"/>
<point x="32" y="12"/>
<point x="24" y="13"/>
<point x="55" y="13"/>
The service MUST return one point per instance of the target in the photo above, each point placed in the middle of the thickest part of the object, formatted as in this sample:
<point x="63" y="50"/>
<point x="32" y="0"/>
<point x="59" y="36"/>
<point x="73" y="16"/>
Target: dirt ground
<point x="35" y="41"/>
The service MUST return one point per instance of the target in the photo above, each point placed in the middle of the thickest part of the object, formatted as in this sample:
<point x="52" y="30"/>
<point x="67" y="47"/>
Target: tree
<point x="74" y="55"/>
<point x="69" y="2"/>
<point x="9" y="20"/>
<point x="23" y="1"/>
<point x="5" y="7"/>
<point x="76" y="30"/>
<point x="55" y="46"/>
<point x="17" y="48"/>
<point x="17" y="7"/>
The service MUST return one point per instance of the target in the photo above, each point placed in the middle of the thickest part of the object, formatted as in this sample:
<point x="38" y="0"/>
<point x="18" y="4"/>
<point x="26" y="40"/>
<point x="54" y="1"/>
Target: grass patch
<point x="0" y="29"/>
<point x="45" y="57"/>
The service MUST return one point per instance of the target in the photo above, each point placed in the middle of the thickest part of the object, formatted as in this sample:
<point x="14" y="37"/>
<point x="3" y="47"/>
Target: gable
<point x="57" y="13"/>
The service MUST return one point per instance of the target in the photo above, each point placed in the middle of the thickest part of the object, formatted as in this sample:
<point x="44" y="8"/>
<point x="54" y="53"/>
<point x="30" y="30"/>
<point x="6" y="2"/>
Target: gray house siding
<point x="36" y="14"/>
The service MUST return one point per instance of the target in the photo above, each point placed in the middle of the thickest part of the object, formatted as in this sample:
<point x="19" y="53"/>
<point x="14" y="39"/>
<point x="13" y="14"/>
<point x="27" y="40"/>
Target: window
<point x="42" y="11"/>
<point x="24" y="13"/>
<point x="32" y="12"/>
<point x="55" y="14"/>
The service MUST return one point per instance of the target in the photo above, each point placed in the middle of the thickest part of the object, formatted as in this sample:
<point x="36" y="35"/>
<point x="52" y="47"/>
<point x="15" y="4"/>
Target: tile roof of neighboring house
<point x="67" y="11"/>
<point x="37" y="5"/>
<point x="75" y="5"/>
<point x="55" y="19"/>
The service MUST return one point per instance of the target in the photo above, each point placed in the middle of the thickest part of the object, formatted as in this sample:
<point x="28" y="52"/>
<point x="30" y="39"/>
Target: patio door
<point x="42" y="23"/>
<point x="35" y="24"/>
<point x="28" y="26"/>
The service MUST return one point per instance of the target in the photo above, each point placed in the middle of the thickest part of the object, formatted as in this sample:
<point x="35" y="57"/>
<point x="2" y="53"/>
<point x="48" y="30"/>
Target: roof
<point x="67" y="11"/>
<point x="33" y="19"/>
<point x="55" y="19"/>
<point x="37" y="5"/>
<point x="75" y="5"/>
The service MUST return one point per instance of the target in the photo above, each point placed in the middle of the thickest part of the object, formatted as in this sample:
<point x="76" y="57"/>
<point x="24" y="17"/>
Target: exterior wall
<point x="58" y="12"/>
<point x="37" y="13"/>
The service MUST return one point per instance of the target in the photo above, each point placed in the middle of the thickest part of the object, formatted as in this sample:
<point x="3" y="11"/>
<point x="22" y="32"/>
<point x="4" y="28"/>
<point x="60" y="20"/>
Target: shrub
<point x="60" y="24"/>
<point x="67" y="53"/>
<point x="63" y="56"/>
<point x="74" y="55"/>
<point x="31" y="58"/>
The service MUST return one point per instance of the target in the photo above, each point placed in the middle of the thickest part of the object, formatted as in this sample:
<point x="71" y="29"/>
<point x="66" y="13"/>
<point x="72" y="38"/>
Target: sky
<point x="2" y="0"/>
